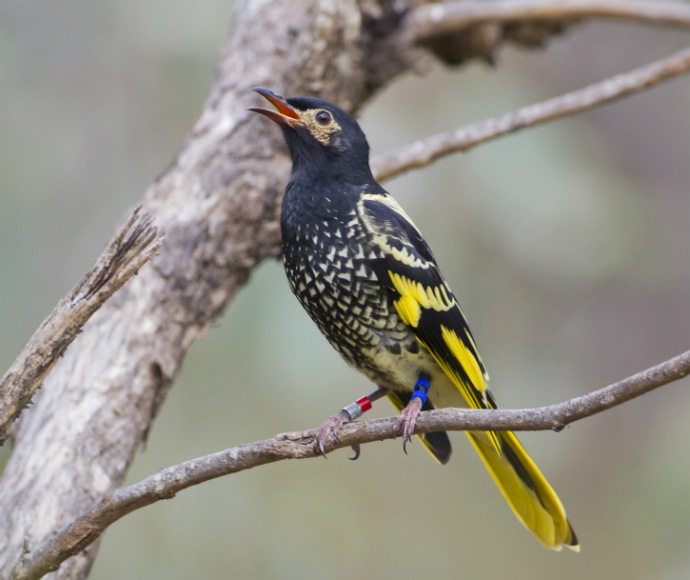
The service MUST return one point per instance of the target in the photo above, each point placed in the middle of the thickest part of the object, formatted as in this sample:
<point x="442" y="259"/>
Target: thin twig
<point x="424" y="152"/>
<point x="299" y="445"/>
<point x="134" y="245"/>
<point x="430" y="20"/>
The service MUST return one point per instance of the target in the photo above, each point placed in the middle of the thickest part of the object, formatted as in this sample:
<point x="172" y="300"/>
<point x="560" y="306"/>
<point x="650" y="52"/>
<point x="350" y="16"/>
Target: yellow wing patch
<point x="468" y="392"/>
<point x="465" y="357"/>
<point x="473" y="370"/>
<point x="415" y="294"/>
<point x="409" y="310"/>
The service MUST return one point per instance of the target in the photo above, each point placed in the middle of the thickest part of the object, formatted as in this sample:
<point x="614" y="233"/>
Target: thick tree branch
<point x="301" y="444"/>
<point x="134" y="245"/>
<point x="432" y="20"/>
<point x="458" y="31"/>
<point x="426" y="151"/>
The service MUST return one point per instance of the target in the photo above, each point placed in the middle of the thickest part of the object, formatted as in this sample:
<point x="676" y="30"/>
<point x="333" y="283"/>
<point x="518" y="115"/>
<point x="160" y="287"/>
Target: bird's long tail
<point x="529" y="494"/>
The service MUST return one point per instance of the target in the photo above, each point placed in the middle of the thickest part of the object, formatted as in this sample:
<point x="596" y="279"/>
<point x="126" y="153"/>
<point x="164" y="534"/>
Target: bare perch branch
<point x="426" y="151"/>
<point x="557" y="416"/>
<point x="432" y="20"/>
<point x="299" y="445"/>
<point x="134" y="245"/>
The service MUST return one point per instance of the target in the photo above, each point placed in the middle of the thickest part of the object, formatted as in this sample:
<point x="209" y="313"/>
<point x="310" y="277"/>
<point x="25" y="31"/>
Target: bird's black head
<point x="322" y="137"/>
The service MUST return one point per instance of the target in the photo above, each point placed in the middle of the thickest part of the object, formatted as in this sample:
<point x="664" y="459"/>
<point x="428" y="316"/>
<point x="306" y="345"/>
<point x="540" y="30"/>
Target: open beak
<point x="285" y="114"/>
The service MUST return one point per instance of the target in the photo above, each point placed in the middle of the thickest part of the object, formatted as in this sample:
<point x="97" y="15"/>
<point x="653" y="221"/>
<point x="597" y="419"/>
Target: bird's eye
<point x="323" y="117"/>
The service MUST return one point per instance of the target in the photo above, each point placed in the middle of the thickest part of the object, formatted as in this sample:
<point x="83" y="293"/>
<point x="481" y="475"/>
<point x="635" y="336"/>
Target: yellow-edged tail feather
<point x="529" y="494"/>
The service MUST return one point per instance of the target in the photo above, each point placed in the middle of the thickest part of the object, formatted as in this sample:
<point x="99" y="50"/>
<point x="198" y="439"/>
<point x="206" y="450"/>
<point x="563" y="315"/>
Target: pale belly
<point x="400" y="372"/>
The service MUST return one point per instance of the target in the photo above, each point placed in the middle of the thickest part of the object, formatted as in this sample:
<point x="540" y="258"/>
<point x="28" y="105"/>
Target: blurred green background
<point x="568" y="246"/>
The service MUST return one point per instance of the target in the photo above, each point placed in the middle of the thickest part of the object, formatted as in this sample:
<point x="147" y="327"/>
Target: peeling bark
<point x="217" y="205"/>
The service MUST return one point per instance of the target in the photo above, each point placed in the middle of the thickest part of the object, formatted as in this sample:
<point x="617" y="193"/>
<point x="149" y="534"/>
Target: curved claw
<point x="408" y="419"/>
<point x="329" y="426"/>
<point x="356" y="448"/>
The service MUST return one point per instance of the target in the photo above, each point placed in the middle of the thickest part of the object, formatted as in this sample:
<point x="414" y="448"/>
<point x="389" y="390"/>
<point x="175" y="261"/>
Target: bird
<point x="366" y="276"/>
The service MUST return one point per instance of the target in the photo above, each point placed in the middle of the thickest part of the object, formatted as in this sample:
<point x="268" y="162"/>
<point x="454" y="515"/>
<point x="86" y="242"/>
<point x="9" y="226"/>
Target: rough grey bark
<point x="130" y="249"/>
<point x="217" y="206"/>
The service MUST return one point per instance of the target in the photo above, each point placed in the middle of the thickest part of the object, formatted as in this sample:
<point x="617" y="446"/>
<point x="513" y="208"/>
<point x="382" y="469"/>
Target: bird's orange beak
<point x="285" y="115"/>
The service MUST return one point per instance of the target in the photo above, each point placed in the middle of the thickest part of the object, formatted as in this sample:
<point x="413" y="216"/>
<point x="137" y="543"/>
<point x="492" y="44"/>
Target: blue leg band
<point x="421" y="388"/>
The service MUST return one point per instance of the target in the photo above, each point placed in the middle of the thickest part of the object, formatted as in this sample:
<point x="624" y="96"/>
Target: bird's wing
<point x="425" y="303"/>
<point x="422" y="298"/>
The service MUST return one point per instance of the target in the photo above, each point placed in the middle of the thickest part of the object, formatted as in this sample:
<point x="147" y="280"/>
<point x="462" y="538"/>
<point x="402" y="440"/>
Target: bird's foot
<point x="408" y="416"/>
<point x="407" y="419"/>
<point x="332" y="425"/>
<point x="349" y="413"/>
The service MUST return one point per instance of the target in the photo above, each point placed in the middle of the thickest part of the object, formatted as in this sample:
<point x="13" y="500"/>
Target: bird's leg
<point x="347" y="414"/>
<point x="408" y="416"/>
